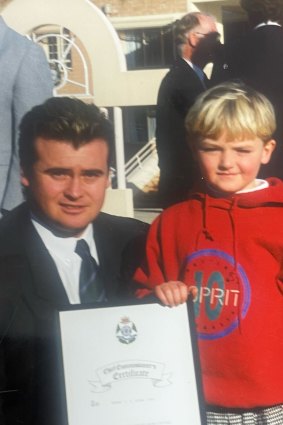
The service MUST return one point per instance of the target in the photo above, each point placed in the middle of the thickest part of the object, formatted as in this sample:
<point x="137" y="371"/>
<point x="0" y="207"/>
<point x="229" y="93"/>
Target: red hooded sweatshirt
<point x="231" y="249"/>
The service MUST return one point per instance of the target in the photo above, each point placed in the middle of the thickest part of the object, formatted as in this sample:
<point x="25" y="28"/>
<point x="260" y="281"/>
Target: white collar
<point x="263" y="24"/>
<point x="65" y="247"/>
<point x="260" y="184"/>
<point x="189" y="62"/>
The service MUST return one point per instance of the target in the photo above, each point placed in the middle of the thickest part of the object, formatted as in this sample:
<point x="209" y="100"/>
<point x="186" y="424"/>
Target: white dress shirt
<point x="68" y="263"/>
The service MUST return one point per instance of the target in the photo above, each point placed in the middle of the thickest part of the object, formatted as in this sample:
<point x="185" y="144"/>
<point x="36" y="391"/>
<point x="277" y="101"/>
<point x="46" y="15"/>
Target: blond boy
<point x="225" y="244"/>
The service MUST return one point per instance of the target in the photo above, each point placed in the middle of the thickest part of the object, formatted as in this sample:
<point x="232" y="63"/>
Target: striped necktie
<point x="90" y="285"/>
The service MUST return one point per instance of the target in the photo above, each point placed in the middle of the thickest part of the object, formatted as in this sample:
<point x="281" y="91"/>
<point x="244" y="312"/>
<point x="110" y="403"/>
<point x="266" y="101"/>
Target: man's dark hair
<point x="63" y="119"/>
<point x="263" y="10"/>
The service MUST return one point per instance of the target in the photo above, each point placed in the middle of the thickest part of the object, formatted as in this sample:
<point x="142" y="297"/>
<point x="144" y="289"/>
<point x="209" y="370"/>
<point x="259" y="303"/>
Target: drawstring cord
<point x="232" y="214"/>
<point x="204" y="230"/>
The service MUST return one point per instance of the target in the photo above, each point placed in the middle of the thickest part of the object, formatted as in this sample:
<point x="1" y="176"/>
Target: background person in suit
<point x="65" y="152"/>
<point x="196" y="38"/>
<point x="257" y="59"/>
<point x="25" y="81"/>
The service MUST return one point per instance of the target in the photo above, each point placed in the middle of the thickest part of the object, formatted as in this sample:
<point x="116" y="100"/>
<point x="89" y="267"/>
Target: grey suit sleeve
<point x="33" y="85"/>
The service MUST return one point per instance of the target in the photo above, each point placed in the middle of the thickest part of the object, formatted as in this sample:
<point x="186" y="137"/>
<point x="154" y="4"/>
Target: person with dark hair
<point x="257" y="59"/>
<point x="57" y="249"/>
<point x="196" y="38"/>
<point x="262" y="11"/>
<point x="65" y="119"/>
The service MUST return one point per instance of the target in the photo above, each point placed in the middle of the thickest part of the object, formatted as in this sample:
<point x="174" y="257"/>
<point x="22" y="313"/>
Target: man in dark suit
<point x="196" y="38"/>
<point x="257" y="59"/>
<point x="65" y="153"/>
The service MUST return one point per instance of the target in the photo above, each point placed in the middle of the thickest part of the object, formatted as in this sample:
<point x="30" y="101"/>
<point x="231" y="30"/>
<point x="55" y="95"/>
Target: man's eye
<point x="92" y="174"/>
<point x="89" y="178"/>
<point x="57" y="174"/>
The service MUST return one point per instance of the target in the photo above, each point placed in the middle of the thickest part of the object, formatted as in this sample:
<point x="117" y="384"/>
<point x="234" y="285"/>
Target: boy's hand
<point x="173" y="293"/>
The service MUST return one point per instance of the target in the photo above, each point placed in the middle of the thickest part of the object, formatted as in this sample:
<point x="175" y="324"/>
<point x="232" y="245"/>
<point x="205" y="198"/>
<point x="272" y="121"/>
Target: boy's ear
<point x="267" y="151"/>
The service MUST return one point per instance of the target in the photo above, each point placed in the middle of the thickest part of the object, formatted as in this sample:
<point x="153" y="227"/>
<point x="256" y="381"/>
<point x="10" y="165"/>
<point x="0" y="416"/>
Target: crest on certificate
<point x="126" y="331"/>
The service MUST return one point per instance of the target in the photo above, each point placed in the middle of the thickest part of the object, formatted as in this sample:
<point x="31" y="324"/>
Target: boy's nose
<point x="226" y="160"/>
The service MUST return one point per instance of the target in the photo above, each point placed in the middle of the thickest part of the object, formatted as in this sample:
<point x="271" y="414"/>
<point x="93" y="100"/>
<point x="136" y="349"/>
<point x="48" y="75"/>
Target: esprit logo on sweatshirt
<point x="223" y="292"/>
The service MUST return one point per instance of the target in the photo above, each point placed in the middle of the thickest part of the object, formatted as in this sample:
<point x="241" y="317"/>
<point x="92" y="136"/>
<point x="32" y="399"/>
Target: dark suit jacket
<point x="257" y="59"/>
<point x="177" y="93"/>
<point x="30" y="294"/>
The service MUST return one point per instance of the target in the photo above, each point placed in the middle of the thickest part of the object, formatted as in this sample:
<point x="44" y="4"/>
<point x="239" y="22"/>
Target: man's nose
<point x="74" y="188"/>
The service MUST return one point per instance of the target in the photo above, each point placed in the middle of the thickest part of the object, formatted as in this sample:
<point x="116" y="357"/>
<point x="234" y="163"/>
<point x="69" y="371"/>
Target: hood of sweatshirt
<point x="270" y="196"/>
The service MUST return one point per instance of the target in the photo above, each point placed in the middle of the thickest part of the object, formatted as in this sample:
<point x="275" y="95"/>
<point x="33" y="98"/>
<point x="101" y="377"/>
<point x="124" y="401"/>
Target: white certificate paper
<point x="129" y="365"/>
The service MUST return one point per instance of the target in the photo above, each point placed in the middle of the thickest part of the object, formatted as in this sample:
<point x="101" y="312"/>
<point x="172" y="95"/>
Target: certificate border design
<point x="194" y="347"/>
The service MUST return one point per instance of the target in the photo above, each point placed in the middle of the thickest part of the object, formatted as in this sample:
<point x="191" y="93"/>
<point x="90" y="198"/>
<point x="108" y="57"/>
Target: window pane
<point x="148" y="47"/>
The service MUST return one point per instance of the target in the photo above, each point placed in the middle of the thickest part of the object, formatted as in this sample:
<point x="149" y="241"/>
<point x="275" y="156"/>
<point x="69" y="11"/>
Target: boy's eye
<point x="242" y="150"/>
<point x="209" y="148"/>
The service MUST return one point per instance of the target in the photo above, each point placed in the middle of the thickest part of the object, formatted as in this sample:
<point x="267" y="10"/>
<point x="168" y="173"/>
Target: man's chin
<point x="62" y="230"/>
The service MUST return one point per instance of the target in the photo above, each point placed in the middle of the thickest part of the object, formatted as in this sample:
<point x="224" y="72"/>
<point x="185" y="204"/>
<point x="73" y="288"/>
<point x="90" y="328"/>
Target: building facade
<point x="114" y="52"/>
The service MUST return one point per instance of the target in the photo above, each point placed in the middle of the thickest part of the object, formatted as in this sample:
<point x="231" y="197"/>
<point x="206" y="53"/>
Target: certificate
<point x="129" y="365"/>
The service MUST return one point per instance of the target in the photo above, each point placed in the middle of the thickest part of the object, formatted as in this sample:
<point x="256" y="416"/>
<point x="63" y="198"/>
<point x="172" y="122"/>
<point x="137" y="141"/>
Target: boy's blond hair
<point x="233" y="109"/>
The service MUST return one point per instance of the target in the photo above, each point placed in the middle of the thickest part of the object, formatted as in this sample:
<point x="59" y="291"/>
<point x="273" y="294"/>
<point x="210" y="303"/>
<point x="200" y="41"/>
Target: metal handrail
<point x="138" y="159"/>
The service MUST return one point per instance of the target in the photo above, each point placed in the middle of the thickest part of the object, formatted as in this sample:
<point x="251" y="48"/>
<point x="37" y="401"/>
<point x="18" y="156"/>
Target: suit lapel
<point x="46" y="283"/>
<point x="46" y="279"/>
<point x="188" y="69"/>
<point x="107" y="255"/>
